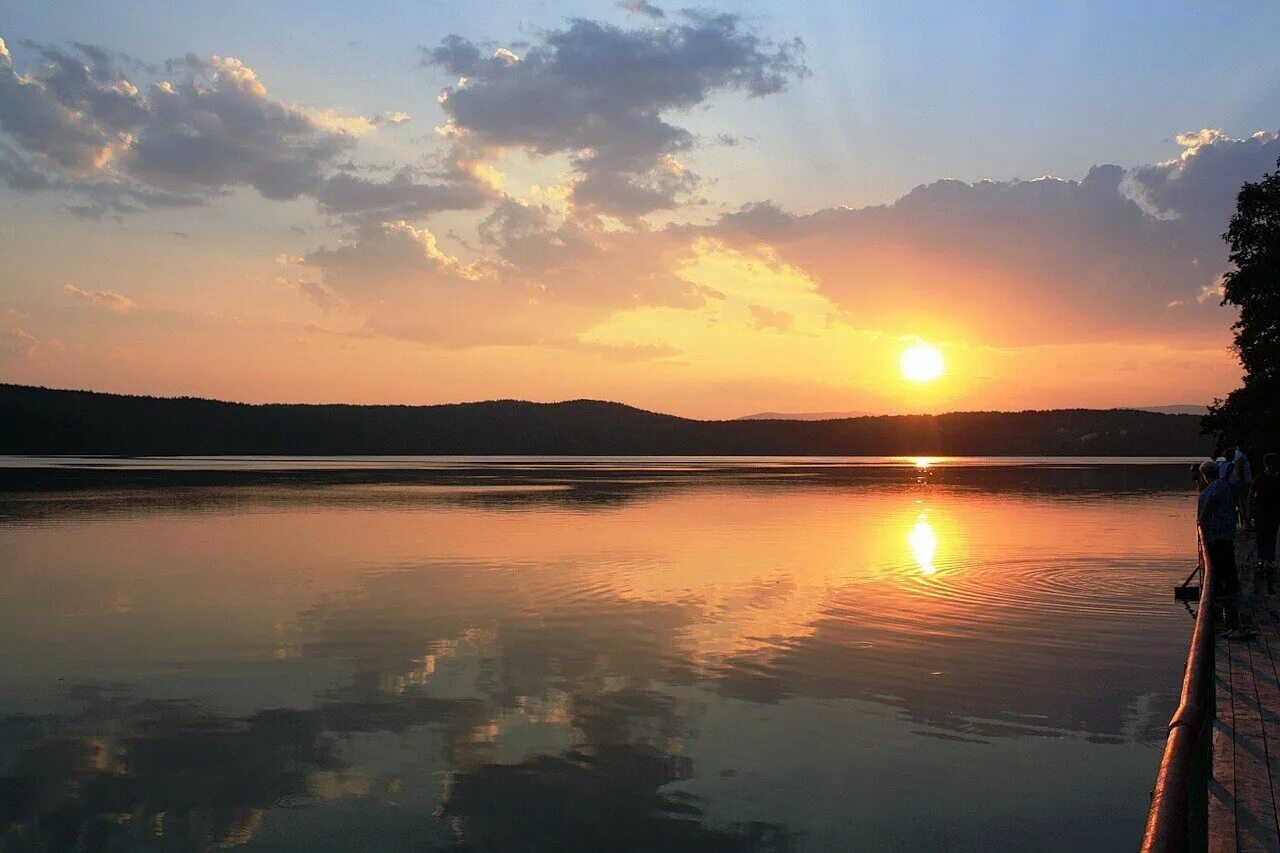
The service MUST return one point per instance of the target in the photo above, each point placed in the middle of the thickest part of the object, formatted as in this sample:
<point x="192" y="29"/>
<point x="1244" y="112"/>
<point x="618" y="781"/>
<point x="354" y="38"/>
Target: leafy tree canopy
<point x="1251" y="414"/>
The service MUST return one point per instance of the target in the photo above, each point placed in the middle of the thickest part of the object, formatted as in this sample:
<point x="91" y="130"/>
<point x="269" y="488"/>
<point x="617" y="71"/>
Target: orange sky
<point x="184" y="229"/>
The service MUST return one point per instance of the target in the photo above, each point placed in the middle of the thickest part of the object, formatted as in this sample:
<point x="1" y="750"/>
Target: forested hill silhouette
<point x="47" y="421"/>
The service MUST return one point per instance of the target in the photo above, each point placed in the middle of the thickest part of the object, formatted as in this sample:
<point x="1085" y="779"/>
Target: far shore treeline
<point x="47" y="421"/>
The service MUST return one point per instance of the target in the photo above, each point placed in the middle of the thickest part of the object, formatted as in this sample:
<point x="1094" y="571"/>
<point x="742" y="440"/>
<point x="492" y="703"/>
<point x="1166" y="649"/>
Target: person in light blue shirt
<point x="1216" y="515"/>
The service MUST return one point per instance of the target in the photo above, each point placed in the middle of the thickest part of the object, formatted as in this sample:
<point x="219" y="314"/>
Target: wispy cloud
<point x="107" y="299"/>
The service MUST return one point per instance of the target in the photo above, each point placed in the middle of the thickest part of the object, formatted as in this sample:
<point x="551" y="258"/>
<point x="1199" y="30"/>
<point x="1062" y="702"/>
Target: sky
<point x="709" y="211"/>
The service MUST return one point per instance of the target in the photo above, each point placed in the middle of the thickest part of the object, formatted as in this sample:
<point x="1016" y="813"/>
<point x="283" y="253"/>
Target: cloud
<point x="392" y="117"/>
<point x="1014" y="263"/>
<point x="764" y="318"/>
<point x="1025" y="262"/>
<point x="322" y="296"/>
<point x="540" y="282"/>
<point x="402" y="196"/>
<point x="107" y="299"/>
<point x="1121" y="254"/>
<point x="600" y="93"/>
<point x="18" y="174"/>
<point x="642" y="7"/>
<point x="17" y="344"/>
<point x="1191" y="185"/>
<point x="79" y="126"/>
<point x="213" y="129"/>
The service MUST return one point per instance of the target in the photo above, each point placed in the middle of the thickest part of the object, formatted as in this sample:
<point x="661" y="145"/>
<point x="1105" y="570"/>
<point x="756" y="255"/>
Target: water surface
<point x="520" y="653"/>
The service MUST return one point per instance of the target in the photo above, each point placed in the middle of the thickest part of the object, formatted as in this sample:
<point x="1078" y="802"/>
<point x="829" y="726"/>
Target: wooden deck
<point x="1244" y="790"/>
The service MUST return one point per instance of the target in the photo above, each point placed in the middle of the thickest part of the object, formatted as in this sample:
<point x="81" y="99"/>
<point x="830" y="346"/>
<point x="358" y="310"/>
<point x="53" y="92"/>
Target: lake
<point x="572" y="654"/>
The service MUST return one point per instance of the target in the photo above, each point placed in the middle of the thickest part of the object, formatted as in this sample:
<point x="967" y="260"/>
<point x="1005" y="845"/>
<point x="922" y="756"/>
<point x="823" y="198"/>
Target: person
<point x="1264" y="503"/>
<point x="1216" y="516"/>
<point x="1240" y="478"/>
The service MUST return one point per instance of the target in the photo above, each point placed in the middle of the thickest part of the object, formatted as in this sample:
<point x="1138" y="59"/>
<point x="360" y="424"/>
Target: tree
<point x="1251" y="414"/>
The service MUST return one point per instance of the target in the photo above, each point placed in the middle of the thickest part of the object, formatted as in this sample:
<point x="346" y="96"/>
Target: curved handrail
<point x="1166" y="829"/>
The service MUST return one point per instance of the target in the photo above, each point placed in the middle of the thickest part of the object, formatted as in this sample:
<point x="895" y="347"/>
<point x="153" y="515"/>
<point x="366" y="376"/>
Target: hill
<point x="48" y="421"/>
<point x="802" y="416"/>
<point x="1198" y="409"/>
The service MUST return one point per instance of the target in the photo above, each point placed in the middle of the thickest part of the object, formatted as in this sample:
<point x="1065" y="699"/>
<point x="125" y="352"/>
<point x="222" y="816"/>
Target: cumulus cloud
<point x="1190" y="186"/>
<point x="602" y="93"/>
<point x="107" y="299"/>
<point x="1013" y="263"/>
<point x="79" y="125"/>
<point x="540" y="281"/>
<point x="1084" y="258"/>
<point x="1119" y="254"/>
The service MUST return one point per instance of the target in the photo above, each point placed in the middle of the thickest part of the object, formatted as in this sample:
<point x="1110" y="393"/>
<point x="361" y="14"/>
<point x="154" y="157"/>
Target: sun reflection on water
<point x="924" y="544"/>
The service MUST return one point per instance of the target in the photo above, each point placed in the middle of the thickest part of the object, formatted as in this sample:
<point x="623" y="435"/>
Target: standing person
<point x="1264" y="501"/>
<point x="1224" y="465"/>
<point x="1240" y="478"/>
<point x="1216" y="515"/>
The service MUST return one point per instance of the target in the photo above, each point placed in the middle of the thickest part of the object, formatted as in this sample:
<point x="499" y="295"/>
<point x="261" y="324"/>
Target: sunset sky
<point x="709" y="212"/>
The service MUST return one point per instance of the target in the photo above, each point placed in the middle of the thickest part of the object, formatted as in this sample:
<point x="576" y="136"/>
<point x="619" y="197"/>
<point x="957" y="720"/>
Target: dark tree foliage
<point x="1251" y="414"/>
<point x="46" y="421"/>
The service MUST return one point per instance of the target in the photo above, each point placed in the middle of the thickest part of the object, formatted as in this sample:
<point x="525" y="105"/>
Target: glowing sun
<point x="921" y="363"/>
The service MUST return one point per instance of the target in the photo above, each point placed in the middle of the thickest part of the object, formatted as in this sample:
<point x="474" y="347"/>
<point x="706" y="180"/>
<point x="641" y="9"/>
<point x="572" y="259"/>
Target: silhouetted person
<point x="1264" y="501"/>
<point x="1239" y="478"/>
<point x="1216" y="515"/>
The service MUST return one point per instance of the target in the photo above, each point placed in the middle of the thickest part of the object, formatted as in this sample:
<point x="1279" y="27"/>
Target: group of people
<point x="1233" y="498"/>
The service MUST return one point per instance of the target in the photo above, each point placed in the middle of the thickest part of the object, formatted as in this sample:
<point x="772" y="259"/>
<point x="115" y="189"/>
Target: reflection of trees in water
<point x="62" y="493"/>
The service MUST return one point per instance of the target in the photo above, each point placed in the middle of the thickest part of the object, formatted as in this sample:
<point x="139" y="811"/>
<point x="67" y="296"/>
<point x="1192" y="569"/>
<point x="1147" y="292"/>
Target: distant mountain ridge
<point x="1174" y="409"/>
<point x="802" y="416"/>
<point x="48" y="421"/>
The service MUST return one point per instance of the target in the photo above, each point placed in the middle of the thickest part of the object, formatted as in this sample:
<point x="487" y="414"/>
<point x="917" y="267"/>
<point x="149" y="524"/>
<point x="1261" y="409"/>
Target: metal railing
<point x="1178" y="819"/>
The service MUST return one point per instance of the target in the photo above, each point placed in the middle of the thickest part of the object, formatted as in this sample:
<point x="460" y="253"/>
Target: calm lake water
<point x="560" y="654"/>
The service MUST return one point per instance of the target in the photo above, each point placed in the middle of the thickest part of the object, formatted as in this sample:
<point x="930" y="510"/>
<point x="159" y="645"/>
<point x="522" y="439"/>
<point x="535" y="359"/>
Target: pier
<point x="1218" y="788"/>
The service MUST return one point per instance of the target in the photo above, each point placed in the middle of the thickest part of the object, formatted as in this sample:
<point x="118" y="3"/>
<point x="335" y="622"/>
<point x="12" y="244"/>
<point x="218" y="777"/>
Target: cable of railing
<point x="1168" y="820"/>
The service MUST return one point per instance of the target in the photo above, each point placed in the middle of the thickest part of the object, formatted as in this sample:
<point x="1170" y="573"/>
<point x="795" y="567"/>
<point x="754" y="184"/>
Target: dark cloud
<point x="81" y="127"/>
<point x="35" y="116"/>
<point x="221" y="130"/>
<point x="1200" y="185"/>
<point x="599" y="93"/>
<point x="402" y="196"/>
<point x="18" y="174"/>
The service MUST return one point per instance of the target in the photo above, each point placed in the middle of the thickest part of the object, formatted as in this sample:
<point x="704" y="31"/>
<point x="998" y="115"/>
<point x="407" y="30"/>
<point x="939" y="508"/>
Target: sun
<point x="921" y="362"/>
